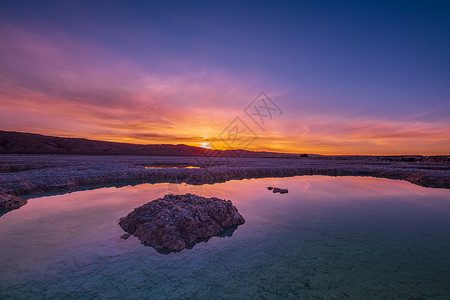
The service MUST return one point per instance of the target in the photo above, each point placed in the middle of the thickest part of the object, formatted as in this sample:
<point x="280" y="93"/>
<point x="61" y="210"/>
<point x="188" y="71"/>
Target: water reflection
<point x="329" y="237"/>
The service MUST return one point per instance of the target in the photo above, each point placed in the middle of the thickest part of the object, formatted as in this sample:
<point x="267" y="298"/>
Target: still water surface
<point x="329" y="237"/>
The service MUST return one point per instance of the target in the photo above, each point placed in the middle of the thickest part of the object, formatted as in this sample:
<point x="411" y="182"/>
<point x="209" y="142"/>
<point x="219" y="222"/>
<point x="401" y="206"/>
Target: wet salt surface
<point x="328" y="237"/>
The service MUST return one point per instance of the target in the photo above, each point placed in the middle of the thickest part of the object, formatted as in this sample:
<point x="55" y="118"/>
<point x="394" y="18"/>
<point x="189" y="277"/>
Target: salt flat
<point x="33" y="174"/>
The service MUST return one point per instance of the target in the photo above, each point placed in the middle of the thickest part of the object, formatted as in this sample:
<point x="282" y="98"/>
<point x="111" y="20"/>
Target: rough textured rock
<point x="277" y="190"/>
<point x="176" y="222"/>
<point x="8" y="201"/>
<point x="280" y="190"/>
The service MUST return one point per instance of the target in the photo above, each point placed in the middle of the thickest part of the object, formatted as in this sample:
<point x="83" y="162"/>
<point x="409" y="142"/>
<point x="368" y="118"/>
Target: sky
<point x="338" y="77"/>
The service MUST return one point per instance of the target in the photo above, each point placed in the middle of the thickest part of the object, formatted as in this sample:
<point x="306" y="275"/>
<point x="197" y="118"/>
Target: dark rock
<point x="8" y="201"/>
<point x="279" y="190"/>
<point x="125" y="236"/>
<point x="270" y="188"/>
<point x="176" y="222"/>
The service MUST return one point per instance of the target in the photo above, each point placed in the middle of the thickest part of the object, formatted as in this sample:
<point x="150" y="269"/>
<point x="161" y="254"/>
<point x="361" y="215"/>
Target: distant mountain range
<point x="12" y="142"/>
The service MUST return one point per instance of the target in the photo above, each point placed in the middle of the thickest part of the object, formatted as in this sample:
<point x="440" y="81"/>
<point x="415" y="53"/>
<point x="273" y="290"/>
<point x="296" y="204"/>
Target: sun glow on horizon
<point x="205" y="145"/>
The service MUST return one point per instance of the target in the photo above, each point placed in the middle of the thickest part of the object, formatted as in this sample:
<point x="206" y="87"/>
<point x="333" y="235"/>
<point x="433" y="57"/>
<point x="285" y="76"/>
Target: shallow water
<point x="329" y="237"/>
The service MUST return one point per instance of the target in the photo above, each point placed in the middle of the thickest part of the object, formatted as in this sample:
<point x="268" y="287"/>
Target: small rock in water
<point x="270" y="188"/>
<point x="176" y="222"/>
<point x="125" y="236"/>
<point x="281" y="191"/>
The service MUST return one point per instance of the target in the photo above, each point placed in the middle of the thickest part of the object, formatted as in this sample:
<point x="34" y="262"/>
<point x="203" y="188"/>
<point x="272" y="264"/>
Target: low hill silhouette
<point x="12" y="142"/>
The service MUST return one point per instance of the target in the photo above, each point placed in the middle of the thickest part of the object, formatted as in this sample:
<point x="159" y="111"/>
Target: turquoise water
<point x="329" y="237"/>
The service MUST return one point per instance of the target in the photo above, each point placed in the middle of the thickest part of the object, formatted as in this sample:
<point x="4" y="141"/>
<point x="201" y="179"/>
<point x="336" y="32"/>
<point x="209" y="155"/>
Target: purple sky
<point x="351" y="77"/>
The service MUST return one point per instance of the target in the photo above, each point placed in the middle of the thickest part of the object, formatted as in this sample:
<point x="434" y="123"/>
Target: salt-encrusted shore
<point x="24" y="175"/>
<point x="8" y="201"/>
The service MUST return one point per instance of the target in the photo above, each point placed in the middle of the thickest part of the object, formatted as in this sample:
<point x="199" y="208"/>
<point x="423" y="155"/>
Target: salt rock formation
<point x="8" y="201"/>
<point x="278" y="190"/>
<point x="176" y="222"/>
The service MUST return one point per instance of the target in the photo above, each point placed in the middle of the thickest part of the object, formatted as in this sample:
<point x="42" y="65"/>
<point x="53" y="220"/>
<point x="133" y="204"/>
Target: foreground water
<point x="329" y="237"/>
